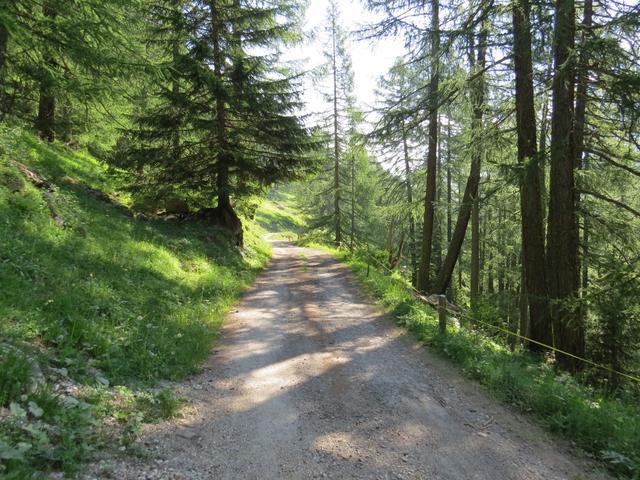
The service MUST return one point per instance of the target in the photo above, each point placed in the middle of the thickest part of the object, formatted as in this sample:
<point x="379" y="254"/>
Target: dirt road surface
<point x="311" y="380"/>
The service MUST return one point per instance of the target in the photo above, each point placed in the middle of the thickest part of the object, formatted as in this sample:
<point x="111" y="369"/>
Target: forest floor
<point x="312" y="380"/>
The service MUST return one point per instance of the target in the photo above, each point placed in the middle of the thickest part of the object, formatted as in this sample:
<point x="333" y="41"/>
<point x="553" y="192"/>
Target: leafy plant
<point x="15" y="374"/>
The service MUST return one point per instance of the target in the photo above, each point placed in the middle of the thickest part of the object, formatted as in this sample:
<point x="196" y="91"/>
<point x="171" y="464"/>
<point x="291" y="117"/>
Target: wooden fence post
<point x="368" y="260"/>
<point x="442" y="313"/>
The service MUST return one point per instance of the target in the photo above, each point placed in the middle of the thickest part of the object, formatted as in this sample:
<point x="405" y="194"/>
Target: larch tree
<point x="477" y="87"/>
<point x="531" y="209"/>
<point x="562" y="233"/>
<point x="334" y="79"/>
<point x="398" y="142"/>
<point x="424" y="270"/>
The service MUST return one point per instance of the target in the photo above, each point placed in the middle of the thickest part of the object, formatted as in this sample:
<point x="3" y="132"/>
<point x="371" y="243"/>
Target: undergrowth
<point x="97" y="307"/>
<point x="607" y="429"/>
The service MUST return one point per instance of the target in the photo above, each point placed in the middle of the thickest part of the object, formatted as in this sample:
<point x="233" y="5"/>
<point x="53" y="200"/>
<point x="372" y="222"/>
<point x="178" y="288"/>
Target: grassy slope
<point x="277" y="214"/>
<point x="106" y="300"/>
<point x="605" y="429"/>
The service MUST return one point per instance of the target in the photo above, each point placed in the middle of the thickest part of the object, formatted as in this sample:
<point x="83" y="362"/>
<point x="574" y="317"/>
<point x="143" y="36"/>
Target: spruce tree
<point x="55" y="52"/>
<point x="231" y="106"/>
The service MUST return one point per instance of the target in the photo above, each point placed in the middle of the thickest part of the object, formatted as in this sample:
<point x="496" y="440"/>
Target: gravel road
<point x="311" y="380"/>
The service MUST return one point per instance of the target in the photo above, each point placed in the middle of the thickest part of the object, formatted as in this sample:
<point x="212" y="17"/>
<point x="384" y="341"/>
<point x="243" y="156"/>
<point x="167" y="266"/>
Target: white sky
<point x="370" y="59"/>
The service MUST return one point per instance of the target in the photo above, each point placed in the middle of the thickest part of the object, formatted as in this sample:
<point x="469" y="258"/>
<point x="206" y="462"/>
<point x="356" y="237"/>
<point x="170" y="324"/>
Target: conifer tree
<point x="399" y="142"/>
<point x="424" y="270"/>
<point x="235" y="110"/>
<point x="335" y="80"/>
<point x="530" y="188"/>
<point x="61" y="48"/>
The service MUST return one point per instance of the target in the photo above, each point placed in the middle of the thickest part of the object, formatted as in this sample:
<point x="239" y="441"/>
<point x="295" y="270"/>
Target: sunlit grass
<point x="109" y="299"/>
<point x="278" y="215"/>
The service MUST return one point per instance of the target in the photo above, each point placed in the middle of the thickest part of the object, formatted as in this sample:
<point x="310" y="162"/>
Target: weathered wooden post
<point x="442" y="313"/>
<point x="368" y="260"/>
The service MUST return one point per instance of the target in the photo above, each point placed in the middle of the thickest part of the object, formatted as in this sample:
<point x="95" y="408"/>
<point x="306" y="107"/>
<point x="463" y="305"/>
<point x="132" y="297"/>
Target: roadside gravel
<point x="311" y="380"/>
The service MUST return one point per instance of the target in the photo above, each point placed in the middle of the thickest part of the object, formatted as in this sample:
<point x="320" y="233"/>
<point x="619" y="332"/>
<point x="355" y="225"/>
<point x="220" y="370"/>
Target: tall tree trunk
<point x="450" y="291"/>
<point x="437" y="217"/>
<point x="544" y="130"/>
<point x="580" y="130"/>
<point x="542" y="162"/>
<point x="532" y="216"/>
<point x="474" y="290"/>
<point x="473" y="182"/>
<point x="336" y="143"/>
<point x="581" y="89"/>
<point x="412" y="223"/>
<point x="353" y="201"/>
<point x="584" y="265"/>
<point x="226" y="216"/>
<point x="424" y="270"/>
<point x="562" y="246"/>
<point x="45" y="122"/>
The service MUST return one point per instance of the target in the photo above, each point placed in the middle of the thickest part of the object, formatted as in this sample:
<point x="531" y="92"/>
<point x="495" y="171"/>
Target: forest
<point x="497" y="174"/>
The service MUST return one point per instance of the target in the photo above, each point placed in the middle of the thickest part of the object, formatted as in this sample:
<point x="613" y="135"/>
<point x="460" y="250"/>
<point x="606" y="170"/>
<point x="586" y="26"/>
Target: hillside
<point x="97" y="306"/>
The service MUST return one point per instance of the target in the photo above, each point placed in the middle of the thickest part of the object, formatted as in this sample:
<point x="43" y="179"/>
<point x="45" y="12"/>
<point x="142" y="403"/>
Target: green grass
<point x="277" y="214"/>
<point x="105" y="300"/>
<point x="606" y="429"/>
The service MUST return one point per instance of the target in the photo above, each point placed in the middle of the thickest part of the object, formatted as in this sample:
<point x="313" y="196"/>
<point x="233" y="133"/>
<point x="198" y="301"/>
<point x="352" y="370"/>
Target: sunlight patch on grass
<point x="105" y="300"/>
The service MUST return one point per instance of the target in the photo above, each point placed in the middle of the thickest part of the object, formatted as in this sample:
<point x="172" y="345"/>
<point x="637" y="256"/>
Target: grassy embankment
<point x="97" y="308"/>
<point x="278" y="214"/>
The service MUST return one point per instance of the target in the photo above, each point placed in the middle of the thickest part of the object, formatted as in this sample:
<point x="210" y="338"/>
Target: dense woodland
<point x="501" y="168"/>
<point x="500" y="165"/>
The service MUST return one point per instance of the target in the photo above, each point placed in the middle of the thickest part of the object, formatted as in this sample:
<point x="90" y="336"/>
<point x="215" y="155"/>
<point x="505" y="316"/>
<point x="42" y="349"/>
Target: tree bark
<point x="424" y="270"/>
<point x="45" y="122"/>
<point x="532" y="215"/>
<point x="580" y="129"/>
<point x="336" y="143"/>
<point x="436" y="254"/>
<point x="562" y="234"/>
<point x="474" y="289"/>
<point x="473" y="181"/>
<point x="412" y="223"/>
<point x="226" y="216"/>
<point x="581" y="90"/>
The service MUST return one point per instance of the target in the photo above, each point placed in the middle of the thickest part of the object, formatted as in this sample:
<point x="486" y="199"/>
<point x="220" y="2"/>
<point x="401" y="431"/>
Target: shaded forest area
<point x="501" y="170"/>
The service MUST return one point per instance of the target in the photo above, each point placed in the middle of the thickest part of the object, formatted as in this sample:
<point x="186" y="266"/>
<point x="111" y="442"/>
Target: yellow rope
<point x="515" y="334"/>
